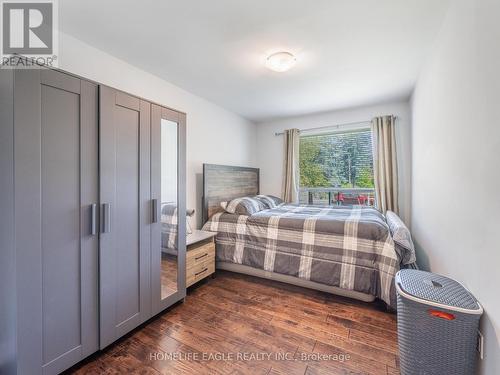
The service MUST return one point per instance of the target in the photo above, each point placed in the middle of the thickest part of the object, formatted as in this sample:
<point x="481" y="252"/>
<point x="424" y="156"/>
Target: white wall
<point x="456" y="154"/>
<point x="214" y="135"/>
<point x="270" y="155"/>
<point x="169" y="150"/>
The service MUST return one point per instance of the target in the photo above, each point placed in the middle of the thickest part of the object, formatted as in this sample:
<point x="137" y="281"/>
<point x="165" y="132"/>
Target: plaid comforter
<point x="346" y="247"/>
<point x="169" y="228"/>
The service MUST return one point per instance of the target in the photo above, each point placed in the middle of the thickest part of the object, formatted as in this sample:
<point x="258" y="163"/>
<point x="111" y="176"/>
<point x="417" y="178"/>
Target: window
<point x="337" y="168"/>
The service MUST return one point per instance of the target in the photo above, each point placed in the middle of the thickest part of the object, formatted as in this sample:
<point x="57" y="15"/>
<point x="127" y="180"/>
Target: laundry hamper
<point x="438" y="321"/>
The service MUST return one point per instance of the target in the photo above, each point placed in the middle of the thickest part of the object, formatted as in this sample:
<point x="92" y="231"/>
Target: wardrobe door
<point x="168" y="186"/>
<point x="125" y="297"/>
<point x="55" y="142"/>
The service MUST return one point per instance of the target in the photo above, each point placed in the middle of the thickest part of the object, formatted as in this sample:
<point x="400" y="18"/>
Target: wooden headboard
<point x="224" y="182"/>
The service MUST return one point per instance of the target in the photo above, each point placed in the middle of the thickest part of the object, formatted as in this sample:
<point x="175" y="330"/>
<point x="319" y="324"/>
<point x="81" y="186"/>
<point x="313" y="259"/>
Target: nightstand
<point x="200" y="256"/>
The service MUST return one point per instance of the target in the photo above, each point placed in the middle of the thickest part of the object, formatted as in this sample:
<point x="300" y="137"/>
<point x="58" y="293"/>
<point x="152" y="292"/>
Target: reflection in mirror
<point x="169" y="214"/>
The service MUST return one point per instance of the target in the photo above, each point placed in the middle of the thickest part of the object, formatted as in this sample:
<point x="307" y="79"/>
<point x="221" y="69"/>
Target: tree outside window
<point x="337" y="160"/>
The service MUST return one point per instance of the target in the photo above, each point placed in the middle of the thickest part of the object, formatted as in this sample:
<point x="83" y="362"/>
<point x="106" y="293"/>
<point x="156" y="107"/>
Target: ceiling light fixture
<point x="280" y="61"/>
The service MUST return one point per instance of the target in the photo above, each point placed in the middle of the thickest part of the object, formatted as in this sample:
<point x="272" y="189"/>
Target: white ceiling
<point x="349" y="52"/>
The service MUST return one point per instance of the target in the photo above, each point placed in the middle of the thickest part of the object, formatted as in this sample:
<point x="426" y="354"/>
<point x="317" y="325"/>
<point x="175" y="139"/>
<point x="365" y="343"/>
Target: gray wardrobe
<point x="93" y="176"/>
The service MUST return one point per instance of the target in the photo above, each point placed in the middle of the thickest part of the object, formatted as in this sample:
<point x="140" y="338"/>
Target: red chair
<point x="340" y="198"/>
<point x="362" y="199"/>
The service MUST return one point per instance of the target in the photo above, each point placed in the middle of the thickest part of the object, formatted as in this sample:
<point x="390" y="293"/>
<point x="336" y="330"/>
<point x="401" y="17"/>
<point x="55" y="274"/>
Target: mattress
<point x="345" y="247"/>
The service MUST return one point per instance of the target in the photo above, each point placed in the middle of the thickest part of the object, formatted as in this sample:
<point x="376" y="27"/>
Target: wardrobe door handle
<point x="93" y="219"/>
<point x="155" y="210"/>
<point x="106" y="218"/>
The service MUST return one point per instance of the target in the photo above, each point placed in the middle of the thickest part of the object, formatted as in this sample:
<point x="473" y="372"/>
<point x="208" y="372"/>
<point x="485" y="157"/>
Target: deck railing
<point x="337" y="196"/>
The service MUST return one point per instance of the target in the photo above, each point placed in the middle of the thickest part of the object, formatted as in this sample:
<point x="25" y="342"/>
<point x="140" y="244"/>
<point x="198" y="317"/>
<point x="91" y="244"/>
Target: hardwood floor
<point x="168" y="275"/>
<point x="237" y="324"/>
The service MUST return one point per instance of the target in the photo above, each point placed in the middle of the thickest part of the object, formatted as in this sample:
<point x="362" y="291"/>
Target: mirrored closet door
<point x="168" y="233"/>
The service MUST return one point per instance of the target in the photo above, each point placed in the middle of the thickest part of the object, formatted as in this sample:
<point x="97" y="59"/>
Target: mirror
<point x="169" y="212"/>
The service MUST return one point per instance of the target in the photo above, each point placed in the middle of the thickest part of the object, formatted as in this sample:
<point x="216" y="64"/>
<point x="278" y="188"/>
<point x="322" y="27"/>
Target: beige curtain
<point x="291" y="176"/>
<point x="385" y="163"/>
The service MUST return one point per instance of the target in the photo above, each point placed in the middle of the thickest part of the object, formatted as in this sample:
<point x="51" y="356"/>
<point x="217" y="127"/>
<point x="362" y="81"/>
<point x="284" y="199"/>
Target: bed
<point x="347" y="251"/>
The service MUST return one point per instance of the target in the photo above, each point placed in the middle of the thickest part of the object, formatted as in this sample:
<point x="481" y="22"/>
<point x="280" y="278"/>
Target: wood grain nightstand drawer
<point x="200" y="271"/>
<point x="200" y="257"/>
<point x="200" y="253"/>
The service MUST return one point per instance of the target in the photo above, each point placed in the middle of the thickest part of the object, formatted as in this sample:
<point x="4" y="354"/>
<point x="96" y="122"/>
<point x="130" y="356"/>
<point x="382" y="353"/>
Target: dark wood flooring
<point x="236" y="324"/>
<point x="168" y="275"/>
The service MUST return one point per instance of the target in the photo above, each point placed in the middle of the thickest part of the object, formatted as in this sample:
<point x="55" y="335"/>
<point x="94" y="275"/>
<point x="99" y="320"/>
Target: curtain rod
<point x="333" y="126"/>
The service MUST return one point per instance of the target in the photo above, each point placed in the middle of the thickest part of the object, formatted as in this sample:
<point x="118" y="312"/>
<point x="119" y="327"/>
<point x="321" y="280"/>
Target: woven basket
<point x="438" y="322"/>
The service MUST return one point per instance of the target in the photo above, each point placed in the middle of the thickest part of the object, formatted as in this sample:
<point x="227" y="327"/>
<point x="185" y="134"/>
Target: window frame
<point x="333" y="190"/>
